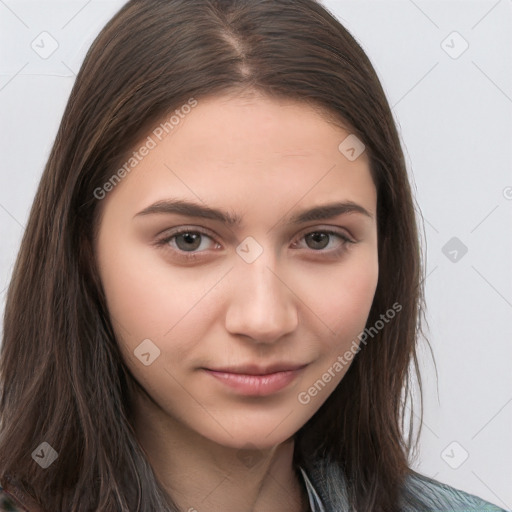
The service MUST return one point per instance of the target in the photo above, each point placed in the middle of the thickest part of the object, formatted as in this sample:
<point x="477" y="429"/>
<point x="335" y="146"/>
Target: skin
<point x="213" y="448"/>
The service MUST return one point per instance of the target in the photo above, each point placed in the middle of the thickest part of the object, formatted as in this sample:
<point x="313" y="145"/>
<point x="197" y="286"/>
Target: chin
<point x="259" y="434"/>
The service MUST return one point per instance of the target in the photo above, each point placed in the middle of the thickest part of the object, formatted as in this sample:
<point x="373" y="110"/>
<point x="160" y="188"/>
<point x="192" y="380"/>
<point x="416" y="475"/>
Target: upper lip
<point x="253" y="369"/>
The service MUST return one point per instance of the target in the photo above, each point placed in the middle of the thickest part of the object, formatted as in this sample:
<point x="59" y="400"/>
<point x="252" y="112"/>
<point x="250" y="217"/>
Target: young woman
<point x="218" y="295"/>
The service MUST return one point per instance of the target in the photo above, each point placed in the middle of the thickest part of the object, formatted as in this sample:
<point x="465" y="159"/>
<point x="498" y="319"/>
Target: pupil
<point x="192" y="241"/>
<point x="319" y="238"/>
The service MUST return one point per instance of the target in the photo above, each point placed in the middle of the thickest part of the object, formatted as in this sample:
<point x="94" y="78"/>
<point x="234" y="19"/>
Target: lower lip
<point x="256" y="385"/>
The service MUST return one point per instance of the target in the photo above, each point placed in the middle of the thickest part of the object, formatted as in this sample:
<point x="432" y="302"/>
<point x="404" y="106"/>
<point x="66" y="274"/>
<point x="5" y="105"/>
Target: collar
<point x="314" y="500"/>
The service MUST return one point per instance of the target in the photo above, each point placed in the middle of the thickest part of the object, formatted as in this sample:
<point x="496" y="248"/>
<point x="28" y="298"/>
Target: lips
<point x="253" y="380"/>
<point x="252" y="369"/>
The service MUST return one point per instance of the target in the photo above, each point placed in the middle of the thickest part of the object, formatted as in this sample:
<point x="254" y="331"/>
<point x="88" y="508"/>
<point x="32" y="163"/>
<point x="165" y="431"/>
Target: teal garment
<point x="8" y="503"/>
<point x="315" y="502"/>
<point x="326" y="489"/>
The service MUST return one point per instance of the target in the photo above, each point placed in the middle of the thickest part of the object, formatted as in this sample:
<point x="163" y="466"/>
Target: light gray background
<point x="454" y="113"/>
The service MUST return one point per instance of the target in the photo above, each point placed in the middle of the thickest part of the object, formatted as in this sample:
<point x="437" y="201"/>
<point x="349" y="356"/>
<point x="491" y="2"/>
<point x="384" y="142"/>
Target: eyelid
<point x="337" y="230"/>
<point x="167" y="233"/>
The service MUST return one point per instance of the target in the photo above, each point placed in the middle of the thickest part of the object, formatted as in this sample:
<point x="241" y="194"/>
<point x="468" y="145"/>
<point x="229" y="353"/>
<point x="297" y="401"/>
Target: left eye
<point x="189" y="240"/>
<point x="321" y="239"/>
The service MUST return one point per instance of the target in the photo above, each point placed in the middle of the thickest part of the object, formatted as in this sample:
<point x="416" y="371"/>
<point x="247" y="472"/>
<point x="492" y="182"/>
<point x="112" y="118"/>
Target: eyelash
<point x="164" y="242"/>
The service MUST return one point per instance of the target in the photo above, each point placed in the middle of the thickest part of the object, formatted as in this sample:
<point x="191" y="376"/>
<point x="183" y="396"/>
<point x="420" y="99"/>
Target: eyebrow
<point x="191" y="209"/>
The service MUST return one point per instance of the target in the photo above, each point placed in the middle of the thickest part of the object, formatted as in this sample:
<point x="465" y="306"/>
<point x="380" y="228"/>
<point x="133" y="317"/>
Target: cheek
<point x="343" y="306"/>
<point x="147" y="298"/>
<point x="342" y="296"/>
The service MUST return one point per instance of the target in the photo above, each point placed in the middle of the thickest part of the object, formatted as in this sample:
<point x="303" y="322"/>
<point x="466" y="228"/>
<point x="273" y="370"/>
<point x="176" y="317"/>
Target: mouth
<point x="253" y="380"/>
<point x="252" y="369"/>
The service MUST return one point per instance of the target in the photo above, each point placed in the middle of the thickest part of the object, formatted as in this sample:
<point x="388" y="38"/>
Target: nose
<point x="262" y="305"/>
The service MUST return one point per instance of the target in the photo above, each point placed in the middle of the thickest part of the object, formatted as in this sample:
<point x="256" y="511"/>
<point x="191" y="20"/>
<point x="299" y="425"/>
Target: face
<point x="235" y="279"/>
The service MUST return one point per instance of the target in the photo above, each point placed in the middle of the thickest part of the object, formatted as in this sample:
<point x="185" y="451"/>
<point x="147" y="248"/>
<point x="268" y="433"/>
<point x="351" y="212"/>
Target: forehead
<point x="248" y="151"/>
<point x="255" y="128"/>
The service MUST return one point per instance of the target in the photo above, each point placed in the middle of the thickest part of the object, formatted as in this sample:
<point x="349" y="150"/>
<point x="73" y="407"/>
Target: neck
<point x="200" y="474"/>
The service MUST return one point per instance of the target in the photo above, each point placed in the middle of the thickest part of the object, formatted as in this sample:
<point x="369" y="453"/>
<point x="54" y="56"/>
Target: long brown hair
<point x="63" y="380"/>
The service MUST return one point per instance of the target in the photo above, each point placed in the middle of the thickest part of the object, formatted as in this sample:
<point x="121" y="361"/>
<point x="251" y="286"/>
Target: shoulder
<point x="436" y="497"/>
<point x="8" y="503"/>
<point x="418" y="494"/>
